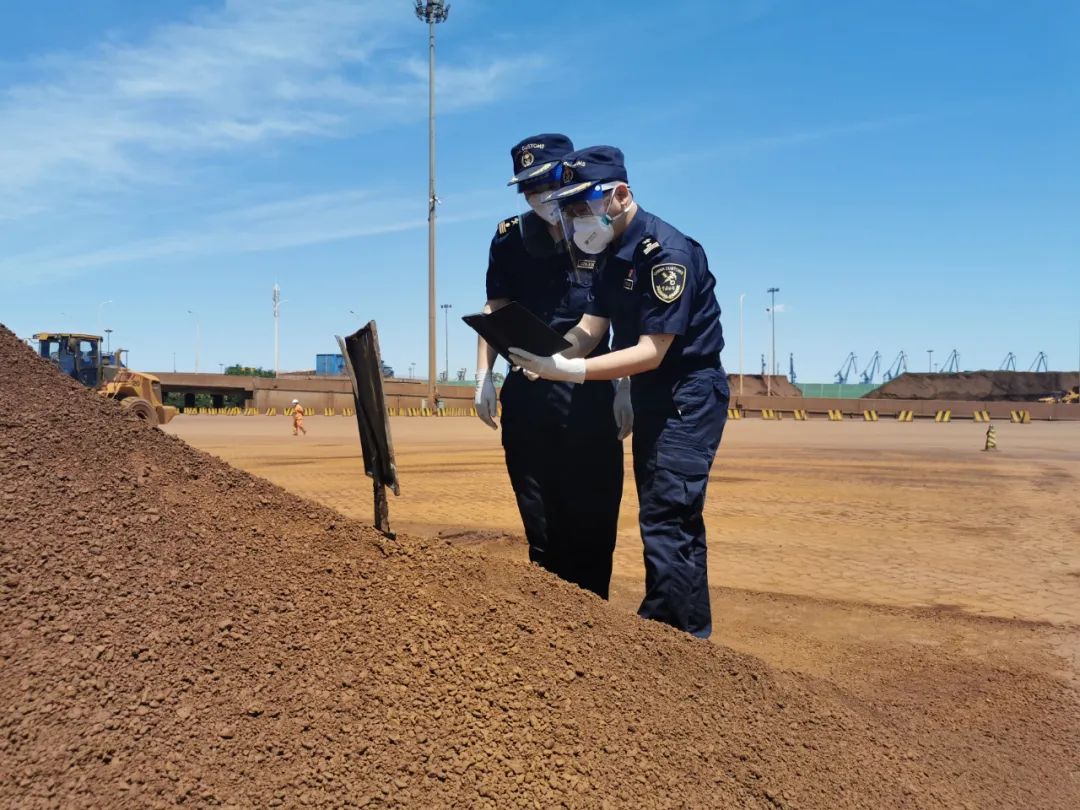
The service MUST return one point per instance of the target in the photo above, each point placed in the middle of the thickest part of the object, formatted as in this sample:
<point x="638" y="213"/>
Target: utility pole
<point x="930" y="360"/>
<point x="277" y="316"/>
<point x="741" y="297"/>
<point x="99" y="306"/>
<point x="772" y="366"/>
<point x="431" y="12"/>
<point x="446" y="341"/>
<point x="108" y="341"/>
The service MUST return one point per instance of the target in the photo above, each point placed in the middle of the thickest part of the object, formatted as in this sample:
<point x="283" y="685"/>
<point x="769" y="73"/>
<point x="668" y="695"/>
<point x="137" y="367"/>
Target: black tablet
<point x="514" y="325"/>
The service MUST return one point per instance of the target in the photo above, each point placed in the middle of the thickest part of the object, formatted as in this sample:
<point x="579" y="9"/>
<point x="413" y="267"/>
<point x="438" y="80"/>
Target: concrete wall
<point x="335" y="392"/>
<point x="889" y="408"/>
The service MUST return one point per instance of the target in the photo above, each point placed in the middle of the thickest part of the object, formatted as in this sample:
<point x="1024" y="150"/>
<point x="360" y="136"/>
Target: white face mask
<point x="549" y="211"/>
<point x="593" y="234"/>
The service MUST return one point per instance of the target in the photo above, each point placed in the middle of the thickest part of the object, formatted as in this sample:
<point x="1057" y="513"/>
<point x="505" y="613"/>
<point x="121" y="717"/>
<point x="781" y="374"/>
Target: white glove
<point x="487" y="401"/>
<point x="624" y="411"/>
<point x="556" y="367"/>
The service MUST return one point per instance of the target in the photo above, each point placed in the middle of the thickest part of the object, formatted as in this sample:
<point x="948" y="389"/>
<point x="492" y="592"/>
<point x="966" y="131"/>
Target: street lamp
<point x="108" y="341"/>
<point x="275" y="296"/>
<point x="446" y="343"/>
<point x="772" y="313"/>
<point x="930" y="360"/>
<point x="99" y="306"/>
<point x="412" y="370"/>
<point x="431" y="12"/>
<point x="198" y="338"/>
<point x="741" y="297"/>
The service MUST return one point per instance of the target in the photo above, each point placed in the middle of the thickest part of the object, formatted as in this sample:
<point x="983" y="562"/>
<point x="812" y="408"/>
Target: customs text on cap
<point x="540" y="157"/>
<point x="585" y="168"/>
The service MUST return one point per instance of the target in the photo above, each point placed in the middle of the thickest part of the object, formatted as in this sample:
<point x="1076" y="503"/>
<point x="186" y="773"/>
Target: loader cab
<point x="78" y="356"/>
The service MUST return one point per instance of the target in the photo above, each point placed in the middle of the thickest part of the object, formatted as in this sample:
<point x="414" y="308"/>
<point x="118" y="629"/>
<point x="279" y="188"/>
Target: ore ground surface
<point x="177" y="631"/>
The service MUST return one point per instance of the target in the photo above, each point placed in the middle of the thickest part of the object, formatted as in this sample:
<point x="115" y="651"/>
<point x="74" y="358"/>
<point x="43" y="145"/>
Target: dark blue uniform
<point x="562" y="452"/>
<point x="655" y="280"/>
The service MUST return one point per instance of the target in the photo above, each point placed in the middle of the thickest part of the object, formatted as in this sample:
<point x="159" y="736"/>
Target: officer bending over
<point x="653" y="285"/>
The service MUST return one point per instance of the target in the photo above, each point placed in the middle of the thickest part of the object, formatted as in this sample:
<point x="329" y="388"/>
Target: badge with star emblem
<point x="526" y="159"/>
<point x="668" y="281"/>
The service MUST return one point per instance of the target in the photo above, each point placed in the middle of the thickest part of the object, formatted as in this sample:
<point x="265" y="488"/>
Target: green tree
<point x="248" y="371"/>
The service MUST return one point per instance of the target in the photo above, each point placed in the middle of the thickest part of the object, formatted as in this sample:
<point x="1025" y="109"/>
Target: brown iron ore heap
<point x="174" y="630"/>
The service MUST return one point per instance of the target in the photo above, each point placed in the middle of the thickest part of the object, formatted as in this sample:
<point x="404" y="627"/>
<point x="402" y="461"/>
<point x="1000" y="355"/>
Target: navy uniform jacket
<point x="657" y="281"/>
<point x="535" y="271"/>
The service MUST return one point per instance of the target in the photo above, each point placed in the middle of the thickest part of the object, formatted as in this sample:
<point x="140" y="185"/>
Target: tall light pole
<point x="741" y="297"/>
<point x="772" y="365"/>
<point x="431" y="12"/>
<point x="108" y="341"/>
<point x="446" y="341"/>
<point x="930" y="360"/>
<point x="276" y="298"/>
<point x="99" y="306"/>
<point x="198" y="339"/>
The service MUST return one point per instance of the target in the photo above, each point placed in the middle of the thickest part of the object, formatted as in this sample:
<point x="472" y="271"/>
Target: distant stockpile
<point x="756" y="385"/>
<point x="986" y="386"/>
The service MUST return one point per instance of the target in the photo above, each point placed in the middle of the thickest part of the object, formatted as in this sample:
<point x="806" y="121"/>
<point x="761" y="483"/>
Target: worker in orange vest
<point x="298" y="418"/>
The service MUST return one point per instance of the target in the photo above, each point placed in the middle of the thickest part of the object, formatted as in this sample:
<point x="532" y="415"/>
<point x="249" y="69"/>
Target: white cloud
<point x="312" y="219"/>
<point x="125" y="115"/>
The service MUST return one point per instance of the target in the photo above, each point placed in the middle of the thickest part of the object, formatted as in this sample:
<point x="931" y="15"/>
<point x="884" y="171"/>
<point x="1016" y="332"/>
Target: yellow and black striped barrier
<point x="870" y="415"/>
<point x="1020" y="417"/>
<point x="981" y="416"/>
<point x="943" y="416"/>
<point x="734" y="413"/>
<point x="905" y="416"/>
<point x="991" y="438"/>
<point x="799" y="415"/>
<point x="771" y="414"/>
<point x="835" y="415"/>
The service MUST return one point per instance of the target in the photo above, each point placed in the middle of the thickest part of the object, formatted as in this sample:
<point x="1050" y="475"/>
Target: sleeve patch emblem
<point x="668" y="281"/>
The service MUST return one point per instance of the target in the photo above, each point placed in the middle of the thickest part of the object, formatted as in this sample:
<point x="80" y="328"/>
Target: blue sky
<point x="905" y="172"/>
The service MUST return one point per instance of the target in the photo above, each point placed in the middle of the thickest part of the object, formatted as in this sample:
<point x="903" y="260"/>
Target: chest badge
<point x="668" y="281"/>
<point x="628" y="282"/>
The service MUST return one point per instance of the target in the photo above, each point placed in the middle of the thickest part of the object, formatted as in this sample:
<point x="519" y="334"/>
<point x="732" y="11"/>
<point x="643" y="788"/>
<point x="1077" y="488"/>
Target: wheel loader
<point x="80" y="357"/>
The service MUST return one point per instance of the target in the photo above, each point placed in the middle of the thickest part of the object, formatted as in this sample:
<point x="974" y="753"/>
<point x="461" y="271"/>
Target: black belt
<point x="667" y="375"/>
<point x="688" y="364"/>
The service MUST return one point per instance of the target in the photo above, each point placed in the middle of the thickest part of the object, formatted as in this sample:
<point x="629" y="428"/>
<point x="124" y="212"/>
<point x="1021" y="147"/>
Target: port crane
<point x="1009" y="363"/>
<point x="952" y="363"/>
<point x="871" y="370"/>
<point x="1040" y="363"/>
<point x="898" y="367"/>
<point x="849" y="367"/>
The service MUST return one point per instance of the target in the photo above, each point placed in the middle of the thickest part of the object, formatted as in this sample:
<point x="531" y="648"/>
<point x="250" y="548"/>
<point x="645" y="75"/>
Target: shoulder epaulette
<point x="507" y="224"/>
<point x="646" y="247"/>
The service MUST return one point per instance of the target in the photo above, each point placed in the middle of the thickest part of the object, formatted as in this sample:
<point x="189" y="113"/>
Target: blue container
<point x="329" y="365"/>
